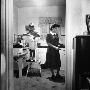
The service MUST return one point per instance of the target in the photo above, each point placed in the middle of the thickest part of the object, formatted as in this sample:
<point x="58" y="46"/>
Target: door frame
<point x="9" y="43"/>
<point x="7" y="37"/>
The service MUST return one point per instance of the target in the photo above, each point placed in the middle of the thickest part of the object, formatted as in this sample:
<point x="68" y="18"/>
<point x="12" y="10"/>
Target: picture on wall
<point x="46" y="22"/>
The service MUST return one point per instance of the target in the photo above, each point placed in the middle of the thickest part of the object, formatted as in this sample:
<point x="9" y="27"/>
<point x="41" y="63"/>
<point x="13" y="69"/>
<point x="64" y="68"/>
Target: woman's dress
<point x="52" y="55"/>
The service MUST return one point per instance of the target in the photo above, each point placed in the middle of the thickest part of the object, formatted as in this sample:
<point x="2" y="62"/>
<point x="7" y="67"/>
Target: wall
<point x="15" y="20"/>
<point x="75" y="25"/>
<point x="73" y="28"/>
<point x="31" y="14"/>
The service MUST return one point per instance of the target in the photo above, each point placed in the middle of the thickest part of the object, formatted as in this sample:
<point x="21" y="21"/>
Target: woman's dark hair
<point x="54" y="26"/>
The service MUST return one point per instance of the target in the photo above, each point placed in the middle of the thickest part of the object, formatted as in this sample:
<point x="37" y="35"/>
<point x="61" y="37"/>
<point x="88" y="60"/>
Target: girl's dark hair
<point x="53" y="26"/>
<point x="29" y="27"/>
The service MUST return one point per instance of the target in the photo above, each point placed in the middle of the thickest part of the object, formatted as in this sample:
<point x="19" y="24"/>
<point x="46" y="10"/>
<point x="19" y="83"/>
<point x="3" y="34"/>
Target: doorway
<point x="25" y="20"/>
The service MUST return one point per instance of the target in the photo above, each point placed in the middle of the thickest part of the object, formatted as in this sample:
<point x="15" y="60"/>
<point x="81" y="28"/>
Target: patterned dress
<point x="52" y="55"/>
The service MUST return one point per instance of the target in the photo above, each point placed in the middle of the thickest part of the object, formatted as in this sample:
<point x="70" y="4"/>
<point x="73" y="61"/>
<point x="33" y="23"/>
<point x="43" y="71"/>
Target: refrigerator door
<point x="81" y="63"/>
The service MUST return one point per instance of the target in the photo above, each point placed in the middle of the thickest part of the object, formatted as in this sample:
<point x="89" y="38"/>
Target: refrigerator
<point x="81" y="62"/>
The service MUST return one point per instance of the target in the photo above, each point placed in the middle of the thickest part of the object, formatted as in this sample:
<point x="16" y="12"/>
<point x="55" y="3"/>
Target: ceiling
<point x="34" y="3"/>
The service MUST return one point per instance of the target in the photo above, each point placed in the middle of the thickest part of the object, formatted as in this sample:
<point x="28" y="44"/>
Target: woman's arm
<point x="51" y="45"/>
<point x="48" y="40"/>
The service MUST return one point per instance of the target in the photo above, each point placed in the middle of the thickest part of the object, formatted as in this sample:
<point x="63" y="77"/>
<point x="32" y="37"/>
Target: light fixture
<point x="39" y="3"/>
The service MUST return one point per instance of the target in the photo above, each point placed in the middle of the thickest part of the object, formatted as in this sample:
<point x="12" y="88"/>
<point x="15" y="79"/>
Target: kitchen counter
<point x="61" y="46"/>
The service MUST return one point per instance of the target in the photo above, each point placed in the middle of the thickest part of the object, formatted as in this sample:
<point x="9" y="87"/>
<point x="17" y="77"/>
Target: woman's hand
<point x="57" y="48"/>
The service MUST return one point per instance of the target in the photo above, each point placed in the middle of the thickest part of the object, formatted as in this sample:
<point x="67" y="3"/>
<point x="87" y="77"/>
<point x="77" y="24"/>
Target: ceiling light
<point x="39" y="2"/>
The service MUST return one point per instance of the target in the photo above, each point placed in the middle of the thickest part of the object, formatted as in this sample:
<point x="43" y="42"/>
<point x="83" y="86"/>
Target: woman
<point x="52" y="56"/>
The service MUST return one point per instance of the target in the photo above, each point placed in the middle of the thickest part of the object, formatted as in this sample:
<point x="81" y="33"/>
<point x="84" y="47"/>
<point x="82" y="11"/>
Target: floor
<point x="39" y="83"/>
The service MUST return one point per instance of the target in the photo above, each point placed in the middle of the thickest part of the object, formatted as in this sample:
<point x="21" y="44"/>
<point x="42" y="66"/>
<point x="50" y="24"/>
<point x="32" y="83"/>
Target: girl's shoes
<point x="59" y="76"/>
<point x="53" y="77"/>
